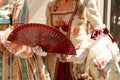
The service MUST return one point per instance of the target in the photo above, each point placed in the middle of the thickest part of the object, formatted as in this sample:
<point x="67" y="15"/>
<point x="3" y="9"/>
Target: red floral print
<point x="76" y="31"/>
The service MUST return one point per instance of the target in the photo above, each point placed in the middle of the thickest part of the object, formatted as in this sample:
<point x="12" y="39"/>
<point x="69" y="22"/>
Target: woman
<point x="23" y="65"/>
<point x="12" y="13"/>
<point x="76" y="19"/>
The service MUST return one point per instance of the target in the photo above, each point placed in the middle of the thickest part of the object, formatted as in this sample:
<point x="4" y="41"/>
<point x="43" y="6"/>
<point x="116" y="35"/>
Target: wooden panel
<point x="115" y="20"/>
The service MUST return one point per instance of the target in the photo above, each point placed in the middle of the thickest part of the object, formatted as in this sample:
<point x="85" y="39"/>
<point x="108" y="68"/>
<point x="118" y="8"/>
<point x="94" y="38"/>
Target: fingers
<point x="39" y="51"/>
<point x="64" y="57"/>
<point x="36" y="49"/>
<point x="11" y="27"/>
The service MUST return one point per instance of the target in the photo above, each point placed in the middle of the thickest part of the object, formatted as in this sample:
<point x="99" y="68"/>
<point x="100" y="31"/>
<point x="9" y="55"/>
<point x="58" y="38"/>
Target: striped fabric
<point x="11" y="66"/>
<point x="15" y="68"/>
<point x="17" y="9"/>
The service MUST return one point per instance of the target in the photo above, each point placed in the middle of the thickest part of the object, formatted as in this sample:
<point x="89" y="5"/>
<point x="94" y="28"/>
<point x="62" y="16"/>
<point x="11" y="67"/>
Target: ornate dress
<point x="12" y="67"/>
<point x="76" y="19"/>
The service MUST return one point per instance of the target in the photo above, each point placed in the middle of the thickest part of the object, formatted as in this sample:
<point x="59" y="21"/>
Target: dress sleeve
<point x="93" y="15"/>
<point x="20" y="13"/>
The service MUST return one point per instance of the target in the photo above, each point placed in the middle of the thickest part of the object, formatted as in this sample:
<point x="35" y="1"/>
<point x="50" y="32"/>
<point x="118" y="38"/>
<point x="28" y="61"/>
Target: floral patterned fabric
<point x="15" y="9"/>
<point x="12" y="67"/>
<point x="94" y="59"/>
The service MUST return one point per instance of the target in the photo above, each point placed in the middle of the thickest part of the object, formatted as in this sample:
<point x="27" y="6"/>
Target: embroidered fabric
<point x="99" y="56"/>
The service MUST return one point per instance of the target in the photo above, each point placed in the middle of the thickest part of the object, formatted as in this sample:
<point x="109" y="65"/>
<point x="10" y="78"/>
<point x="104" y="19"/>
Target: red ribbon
<point x="106" y="31"/>
<point x="97" y="32"/>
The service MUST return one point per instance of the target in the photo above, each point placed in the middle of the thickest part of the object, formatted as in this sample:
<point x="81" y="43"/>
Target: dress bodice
<point x="70" y="22"/>
<point x="61" y="21"/>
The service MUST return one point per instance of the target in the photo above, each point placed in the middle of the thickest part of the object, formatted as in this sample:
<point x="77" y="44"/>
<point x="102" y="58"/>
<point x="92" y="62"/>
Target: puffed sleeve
<point x="20" y="13"/>
<point x="93" y="15"/>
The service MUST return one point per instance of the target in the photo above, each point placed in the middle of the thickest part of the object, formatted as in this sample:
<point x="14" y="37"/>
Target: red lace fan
<point x="49" y="38"/>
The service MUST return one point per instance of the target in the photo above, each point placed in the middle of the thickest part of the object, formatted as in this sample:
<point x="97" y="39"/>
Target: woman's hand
<point x="4" y="34"/>
<point x="38" y="50"/>
<point x="64" y="57"/>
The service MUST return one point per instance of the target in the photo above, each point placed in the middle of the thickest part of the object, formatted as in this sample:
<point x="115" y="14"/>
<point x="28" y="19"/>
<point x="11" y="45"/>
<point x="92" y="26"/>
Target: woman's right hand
<point x="38" y="50"/>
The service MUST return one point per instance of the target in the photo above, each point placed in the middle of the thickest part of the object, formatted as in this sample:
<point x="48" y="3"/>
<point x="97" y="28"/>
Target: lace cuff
<point x="79" y="57"/>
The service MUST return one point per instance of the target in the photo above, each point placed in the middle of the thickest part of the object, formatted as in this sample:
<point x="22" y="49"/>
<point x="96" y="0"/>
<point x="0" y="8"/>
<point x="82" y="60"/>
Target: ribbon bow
<point x="97" y="32"/>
